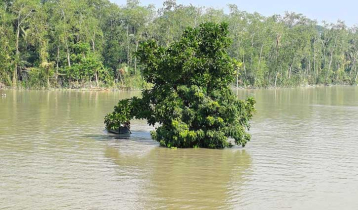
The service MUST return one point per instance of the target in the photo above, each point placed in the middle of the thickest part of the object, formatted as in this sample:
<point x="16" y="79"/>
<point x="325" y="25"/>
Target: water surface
<point x="55" y="154"/>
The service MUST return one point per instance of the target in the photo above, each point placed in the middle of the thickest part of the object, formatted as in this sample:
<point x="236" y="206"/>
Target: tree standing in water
<point x="191" y="99"/>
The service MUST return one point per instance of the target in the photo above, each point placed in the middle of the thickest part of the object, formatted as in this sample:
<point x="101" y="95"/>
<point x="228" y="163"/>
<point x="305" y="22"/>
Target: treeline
<point x="77" y="43"/>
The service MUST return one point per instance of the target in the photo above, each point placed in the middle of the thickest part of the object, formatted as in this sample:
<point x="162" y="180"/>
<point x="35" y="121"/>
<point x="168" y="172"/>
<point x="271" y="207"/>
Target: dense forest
<point x="91" y="43"/>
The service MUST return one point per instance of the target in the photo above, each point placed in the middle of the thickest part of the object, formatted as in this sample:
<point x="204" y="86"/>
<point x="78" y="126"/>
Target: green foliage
<point x="6" y="46"/>
<point x="87" y="42"/>
<point x="86" y="65"/>
<point x="121" y="114"/>
<point x="36" y="78"/>
<point x="190" y="99"/>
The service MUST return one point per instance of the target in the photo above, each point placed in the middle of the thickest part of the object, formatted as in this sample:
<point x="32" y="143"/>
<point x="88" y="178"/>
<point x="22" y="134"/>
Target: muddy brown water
<point x="55" y="154"/>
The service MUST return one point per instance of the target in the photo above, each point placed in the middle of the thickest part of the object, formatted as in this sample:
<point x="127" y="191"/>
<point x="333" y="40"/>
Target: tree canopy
<point x="191" y="100"/>
<point x="40" y="40"/>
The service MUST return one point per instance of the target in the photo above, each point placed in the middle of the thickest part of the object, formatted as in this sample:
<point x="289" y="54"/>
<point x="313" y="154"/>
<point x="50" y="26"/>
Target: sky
<point x="328" y="10"/>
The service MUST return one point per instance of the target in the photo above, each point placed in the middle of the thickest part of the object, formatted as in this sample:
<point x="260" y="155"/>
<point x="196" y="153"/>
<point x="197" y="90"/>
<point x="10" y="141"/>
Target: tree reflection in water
<point x="154" y="177"/>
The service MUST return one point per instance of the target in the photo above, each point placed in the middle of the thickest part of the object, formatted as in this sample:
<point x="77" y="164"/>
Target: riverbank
<point x="94" y="89"/>
<point x="143" y="85"/>
<point x="294" y="86"/>
<point x="114" y="89"/>
<point x="79" y="88"/>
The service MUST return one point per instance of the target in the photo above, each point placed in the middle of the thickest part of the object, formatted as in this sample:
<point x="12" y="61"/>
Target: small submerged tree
<point x="191" y="99"/>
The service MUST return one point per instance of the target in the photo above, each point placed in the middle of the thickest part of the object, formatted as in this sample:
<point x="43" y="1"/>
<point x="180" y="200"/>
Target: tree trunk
<point x="94" y="49"/>
<point x="57" y="61"/>
<point x="121" y="79"/>
<point x="309" y="66"/>
<point x="237" y="78"/>
<point x="93" y="44"/>
<point x="259" y="67"/>
<point x="252" y="52"/>
<point x="331" y="59"/>
<point x="128" y="45"/>
<point x="243" y="59"/>
<point x="14" y="76"/>
<point x="68" y="55"/>
<point x="66" y="41"/>
<point x="329" y="65"/>
<point x="96" y="75"/>
<point x="314" y="59"/>
<point x="324" y="52"/>
<point x="48" y="76"/>
<point x="355" y="69"/>
<point x="135" y="58"/>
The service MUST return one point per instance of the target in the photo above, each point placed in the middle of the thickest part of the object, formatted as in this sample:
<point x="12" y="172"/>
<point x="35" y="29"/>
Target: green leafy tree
<point x="190" y="99"/>
<point x="7" y="45"/>
<point x="86" y="65"/>
<point x="22" y="10"/>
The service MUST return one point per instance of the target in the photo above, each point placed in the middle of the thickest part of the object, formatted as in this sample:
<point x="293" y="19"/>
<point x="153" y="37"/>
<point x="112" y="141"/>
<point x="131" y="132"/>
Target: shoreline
<point x="94" y="89"/>
<point x="130" y="89"/>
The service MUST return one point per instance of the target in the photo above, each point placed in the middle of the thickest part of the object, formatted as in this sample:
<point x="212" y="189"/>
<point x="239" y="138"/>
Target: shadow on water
<point x="135" y="135"/>
<point x="106" y="137"/>
<point x="181" y="178"/>
<point x="196" y="178"/>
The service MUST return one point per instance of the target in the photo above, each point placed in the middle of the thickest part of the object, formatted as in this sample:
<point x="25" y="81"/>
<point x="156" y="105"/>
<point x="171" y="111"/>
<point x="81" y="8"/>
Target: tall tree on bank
<point x="280" y="50"/>
<point x="7" y="44"/>
<point x="22" y="10"/>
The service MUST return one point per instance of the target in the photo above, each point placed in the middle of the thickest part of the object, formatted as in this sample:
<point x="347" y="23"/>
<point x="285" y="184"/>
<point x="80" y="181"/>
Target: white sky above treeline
<point x="328" y="10"/>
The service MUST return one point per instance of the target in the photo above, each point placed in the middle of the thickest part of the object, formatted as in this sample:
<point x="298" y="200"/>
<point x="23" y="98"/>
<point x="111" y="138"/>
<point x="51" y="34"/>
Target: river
<point x="55" y="154"/>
